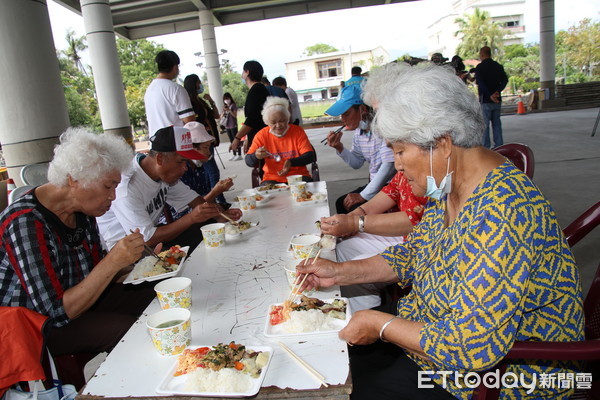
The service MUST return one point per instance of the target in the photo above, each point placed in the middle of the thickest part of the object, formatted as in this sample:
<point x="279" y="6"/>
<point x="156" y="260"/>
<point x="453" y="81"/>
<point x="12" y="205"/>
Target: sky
<point x="398" y="28"/>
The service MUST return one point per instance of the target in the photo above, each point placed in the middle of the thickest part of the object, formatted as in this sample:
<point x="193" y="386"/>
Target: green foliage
<point x="232" y="83"/>
<point x="319" y="48"/>
<point x="314" y="109"/>
<point x="79" y="91"/>
<point x="580" y="45"/>
<point x="478" y="30"/>
<point x="138" y="68"/>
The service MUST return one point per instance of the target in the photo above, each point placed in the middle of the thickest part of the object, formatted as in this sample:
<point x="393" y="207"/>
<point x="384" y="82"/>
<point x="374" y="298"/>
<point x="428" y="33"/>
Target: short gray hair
<point x="275" y="104"/>
<point x="86" y="157"/>
<point x="420" y="104"/>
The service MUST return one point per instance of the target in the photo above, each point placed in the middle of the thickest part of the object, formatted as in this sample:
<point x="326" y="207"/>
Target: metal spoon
<point x="277" y="157"/>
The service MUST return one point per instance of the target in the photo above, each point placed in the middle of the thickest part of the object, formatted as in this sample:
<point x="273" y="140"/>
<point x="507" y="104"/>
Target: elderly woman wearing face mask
<point x="284" y="147"/>
<point x="488" y="263"/>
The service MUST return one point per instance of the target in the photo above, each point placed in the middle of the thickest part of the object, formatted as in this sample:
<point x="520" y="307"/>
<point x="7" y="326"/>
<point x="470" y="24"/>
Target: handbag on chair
<point x="58" y="392"/>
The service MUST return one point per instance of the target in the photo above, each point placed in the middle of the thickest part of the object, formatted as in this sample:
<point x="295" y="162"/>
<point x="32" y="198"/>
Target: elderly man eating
<point x="151" y="182"/>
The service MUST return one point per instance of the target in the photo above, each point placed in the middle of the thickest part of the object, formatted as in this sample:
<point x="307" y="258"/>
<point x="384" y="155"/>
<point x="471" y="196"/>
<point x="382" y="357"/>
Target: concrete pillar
<point x="99" y="30"/>
<point x="547" y="48"/>
<point x="211" y="56"/>
<point x="33" y="110"/>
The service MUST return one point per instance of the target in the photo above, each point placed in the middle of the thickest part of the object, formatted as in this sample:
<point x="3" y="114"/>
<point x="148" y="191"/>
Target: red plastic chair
<point x="587" y="350"/>
<point x="520" y="155"/>
<point x="583" y="225"/>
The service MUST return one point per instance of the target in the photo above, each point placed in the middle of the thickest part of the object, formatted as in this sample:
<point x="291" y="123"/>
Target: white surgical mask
<point x="228" y="102"/>
<point x="282" y="133"/>
<point x="200" y="89"/>
<point x="445" y="187"/>
<point x="363" y="125"/>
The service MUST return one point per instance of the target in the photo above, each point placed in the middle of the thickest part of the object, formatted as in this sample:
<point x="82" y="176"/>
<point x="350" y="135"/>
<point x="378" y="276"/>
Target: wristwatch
<point x="361" y="223"/>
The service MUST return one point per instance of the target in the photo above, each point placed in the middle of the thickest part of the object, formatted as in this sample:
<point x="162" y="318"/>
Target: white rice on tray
<point x="309" y="321"/>
<point x="227" y="380"/>
<point x="146" y="267"/>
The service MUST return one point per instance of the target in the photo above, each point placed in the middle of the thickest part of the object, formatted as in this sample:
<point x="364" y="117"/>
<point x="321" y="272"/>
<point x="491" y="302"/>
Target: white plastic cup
<point x="247" y="200"/>
<point x="170" y="330"/>
<point x="174" y="293"/>
<point x="297" y="189"/>
<point x="293" y="179"/>
<point x="213" y="234"/>
<point x="305" y="246"/>
<point x="290" y="273"/>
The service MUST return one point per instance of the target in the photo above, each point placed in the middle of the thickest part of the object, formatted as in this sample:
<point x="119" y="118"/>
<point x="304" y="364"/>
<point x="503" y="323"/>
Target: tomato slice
<point x="276" y="315"/>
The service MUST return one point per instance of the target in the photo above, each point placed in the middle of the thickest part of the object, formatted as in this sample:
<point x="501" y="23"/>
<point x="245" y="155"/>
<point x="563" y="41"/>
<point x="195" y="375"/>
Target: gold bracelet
<point x="385" y="326"/>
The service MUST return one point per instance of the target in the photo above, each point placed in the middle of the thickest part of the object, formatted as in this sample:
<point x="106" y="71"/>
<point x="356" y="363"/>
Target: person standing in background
<point x="292" y="97"/>
<point x="491" y="80"/>
<point x="229" y="115"/>
<point x="356" y="78"/>
<point x="206" y="114"/>
<point x="166" y="102"/>
<point x="251" y="75"/>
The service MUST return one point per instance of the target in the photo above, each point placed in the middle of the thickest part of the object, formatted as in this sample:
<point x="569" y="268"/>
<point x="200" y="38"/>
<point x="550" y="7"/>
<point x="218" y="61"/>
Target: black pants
<point x="383" y="371"/>
<point x="102" y="326"/>
<point x="231" y="132"/>
<point x="339" y="203"/>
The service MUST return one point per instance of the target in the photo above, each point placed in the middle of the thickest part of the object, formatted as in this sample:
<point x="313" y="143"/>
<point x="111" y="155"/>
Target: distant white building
<point x="510" y="14"/>
<point x="318" y="77"/>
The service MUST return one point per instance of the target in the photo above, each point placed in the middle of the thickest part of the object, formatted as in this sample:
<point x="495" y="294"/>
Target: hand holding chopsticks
<point x="296" y="287"/>
<point x="304" y="364"/>
<point x="148" y="248"/>
<point x="338" y="130"/>
<point x="229" y="219"/>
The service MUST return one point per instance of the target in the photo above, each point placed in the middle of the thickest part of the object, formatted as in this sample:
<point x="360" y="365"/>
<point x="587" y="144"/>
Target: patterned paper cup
<point x="297" y="189"/>
<point x="174" y="293"/>
<point x="171" y="330"/>
<point x="293" y="179"/>
<point x="213" y="234"/>
<point x="247" y="200"/>
<point x="290" y="273"/>
<point x="305" y="246"/>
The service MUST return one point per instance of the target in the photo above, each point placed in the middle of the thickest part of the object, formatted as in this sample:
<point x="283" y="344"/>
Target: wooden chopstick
<point x="229" y="219"/>
<point x="295" y="284"/>
<point x="148" y="248"/>
<point x="338" y="130"/>
<point x="295" y="295"/>
<point x="304" y="364"/>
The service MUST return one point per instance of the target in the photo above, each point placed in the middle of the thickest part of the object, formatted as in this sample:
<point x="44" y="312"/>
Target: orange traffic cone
<point x="520" y="106"/>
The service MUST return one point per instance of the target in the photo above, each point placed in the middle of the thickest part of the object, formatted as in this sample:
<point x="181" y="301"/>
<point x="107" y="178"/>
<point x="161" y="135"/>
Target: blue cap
<point x="349" y="96"/>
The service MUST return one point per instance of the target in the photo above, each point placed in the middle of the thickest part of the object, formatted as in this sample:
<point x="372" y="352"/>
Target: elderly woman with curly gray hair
<point x="488" y="263"/>
<point x="283" y="146"/>
<point x="51" y="257"/>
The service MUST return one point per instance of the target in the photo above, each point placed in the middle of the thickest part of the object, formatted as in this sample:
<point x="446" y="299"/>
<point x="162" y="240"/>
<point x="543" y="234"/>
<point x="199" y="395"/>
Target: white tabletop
<point x="232" y="288"/>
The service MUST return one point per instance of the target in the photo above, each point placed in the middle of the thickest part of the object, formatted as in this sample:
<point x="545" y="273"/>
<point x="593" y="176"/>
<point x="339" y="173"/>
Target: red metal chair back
<point x="583" y="225"/>
<point x="520" y="155"/>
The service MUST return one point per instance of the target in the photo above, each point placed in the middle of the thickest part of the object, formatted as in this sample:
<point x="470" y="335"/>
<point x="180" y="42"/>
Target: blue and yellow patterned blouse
<point x="502" y="271"/>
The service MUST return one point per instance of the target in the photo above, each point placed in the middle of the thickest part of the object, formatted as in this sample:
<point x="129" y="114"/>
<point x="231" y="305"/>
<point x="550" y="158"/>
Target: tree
<point x="138" y="68"/>
<point x="319" y="48"/>
<point x="580" y="46"/>
<point x="79" y="94"/>
<point x="478" y="30"/>
<point x="74" y="49"/>
<point x="522" y="65"/>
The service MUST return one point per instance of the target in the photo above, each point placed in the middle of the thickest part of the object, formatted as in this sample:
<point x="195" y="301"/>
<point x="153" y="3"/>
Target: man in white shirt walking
<point x="292" y="97"/>
<point x="167" y="103"/>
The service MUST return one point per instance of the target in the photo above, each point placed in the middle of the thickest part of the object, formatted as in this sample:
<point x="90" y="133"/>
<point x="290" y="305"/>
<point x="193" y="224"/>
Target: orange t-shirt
<point x="292" y="145"/>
